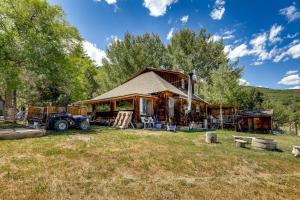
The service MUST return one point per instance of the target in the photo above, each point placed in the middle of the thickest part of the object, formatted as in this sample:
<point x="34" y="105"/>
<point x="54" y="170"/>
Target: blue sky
<point x="263" y="35"/>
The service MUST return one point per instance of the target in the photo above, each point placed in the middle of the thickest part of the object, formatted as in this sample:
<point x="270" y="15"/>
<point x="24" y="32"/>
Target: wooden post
<point x="221" y="116"/>
<point x="296" y="128"/>
<point x="112" y="106"/>
<point x="136" y="107"/>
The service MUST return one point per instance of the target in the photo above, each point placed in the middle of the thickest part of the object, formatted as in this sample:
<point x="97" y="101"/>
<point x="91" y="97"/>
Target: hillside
<point x="287" y="97"/>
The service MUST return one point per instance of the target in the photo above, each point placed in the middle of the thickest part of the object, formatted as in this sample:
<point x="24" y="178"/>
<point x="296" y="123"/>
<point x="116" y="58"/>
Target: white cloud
<point x="111" y="39"/>
<point x="258" y="46"/>
<point x="170" y="34"/>
<point x="262" y="46"/>
<point x="274" y="32"/>
<point x="225" y="36"/>
<point x="228" y="48"/>
<point x="239" y="51"/>
<point x="291" y="50"/>
<point x="259" y="49"/>
<point x="293" y="79"/>
<point x="291" y="13"/>
<point x="110" y="2"/>
<point x="294" y="51"/>
<point x="158" y="7"/>
<point x="279" y="57"/>
<point x="95" y="53"/>
<point x="219" y="10"/>
<point x="184" y="19"/>
<point x="292" y="36"/>
<point x="291" y="72"/>
<point x="243" y="82"/>
<point x="216" y="37"/>
<point x="297" y="87"/>
<point x="259" y="41"/>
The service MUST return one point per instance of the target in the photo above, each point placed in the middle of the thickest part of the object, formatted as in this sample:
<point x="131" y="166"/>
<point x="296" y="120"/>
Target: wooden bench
<point x="240" y="143"/>
<point x="236" y="137"/>
<point x="296" y="151"/>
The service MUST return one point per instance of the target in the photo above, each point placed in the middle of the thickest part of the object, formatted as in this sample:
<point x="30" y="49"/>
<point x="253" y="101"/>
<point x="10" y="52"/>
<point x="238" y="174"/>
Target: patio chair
<point x="145" y="122"/>
<point x="171" y="128"/>
<point x="151" y="122"/>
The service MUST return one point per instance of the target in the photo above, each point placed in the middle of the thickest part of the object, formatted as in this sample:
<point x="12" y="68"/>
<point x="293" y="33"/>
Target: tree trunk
<point x="221" y="116"/>
<point x="10" y="106"/>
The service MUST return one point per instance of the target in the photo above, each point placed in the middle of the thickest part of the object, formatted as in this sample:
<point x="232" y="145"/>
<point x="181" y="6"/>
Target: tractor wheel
<point x="61" y="125"/>
<point x="85" y="125"/>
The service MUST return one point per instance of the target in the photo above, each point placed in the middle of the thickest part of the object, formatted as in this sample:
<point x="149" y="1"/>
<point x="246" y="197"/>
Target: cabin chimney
<point x="190" y="91"/>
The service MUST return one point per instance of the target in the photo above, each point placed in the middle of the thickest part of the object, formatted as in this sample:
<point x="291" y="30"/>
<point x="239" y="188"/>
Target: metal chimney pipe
<point x="190" y="91"/>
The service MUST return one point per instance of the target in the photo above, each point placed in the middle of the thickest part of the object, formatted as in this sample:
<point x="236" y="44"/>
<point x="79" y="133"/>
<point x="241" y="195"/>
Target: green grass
<point x="105" y="163"/>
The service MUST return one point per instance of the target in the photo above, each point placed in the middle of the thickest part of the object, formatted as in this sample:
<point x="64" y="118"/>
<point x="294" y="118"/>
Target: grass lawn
<point x="105" y="163"/>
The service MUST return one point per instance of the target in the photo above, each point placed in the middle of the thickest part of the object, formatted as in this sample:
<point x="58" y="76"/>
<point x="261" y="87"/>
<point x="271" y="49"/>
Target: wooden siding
<point x="160" y="109"/>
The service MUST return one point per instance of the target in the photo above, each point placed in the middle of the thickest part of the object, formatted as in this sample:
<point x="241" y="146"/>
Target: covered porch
<point x="163" y="107"/>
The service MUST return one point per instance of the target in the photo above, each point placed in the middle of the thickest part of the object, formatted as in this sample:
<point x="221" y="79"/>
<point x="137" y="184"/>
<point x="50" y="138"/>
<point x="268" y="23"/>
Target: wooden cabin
<point x="255" y="121"/>
<point x="158" y="93"/>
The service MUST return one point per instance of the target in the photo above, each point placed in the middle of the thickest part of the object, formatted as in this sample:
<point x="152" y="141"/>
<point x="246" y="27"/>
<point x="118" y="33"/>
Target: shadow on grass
<point x="192" y="131"/>
<point x="73" y="131"/>
<point x="278" y="150"/>
<point x="10" y="125"/>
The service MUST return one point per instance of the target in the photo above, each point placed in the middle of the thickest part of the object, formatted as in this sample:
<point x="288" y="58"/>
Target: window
<point x="146" y="107"/>
<point x="197" y="108"/>
<point x="103" y="107"/>
<point x="185" y="107"/>
<point x="89" y="108"/>
<point x="124" y="105"/>
<point x="171" y="106"/>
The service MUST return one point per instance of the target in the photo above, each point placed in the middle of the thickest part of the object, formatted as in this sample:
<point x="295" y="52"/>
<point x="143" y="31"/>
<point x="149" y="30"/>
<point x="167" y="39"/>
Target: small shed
<point x="255" y="121"/>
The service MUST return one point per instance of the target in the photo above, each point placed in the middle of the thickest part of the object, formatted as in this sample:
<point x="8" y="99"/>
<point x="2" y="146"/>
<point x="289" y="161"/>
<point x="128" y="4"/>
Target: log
<point x="211" y="137"/>
<point x="263" y="144"/>
<point x="21" y="133"/>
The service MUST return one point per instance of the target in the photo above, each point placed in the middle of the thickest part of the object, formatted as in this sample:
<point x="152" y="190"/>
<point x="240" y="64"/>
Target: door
<point x="250" y="124"/>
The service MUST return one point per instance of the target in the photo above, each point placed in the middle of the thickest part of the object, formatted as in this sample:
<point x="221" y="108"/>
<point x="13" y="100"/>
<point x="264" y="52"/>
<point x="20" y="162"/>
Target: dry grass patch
<point x="136" y="164"/>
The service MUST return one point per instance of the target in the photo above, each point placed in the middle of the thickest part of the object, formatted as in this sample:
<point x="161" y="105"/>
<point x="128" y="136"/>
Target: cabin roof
<point x="217" y="106"/>
<point x="143" y="85"/>
<point x="255" y="113"/>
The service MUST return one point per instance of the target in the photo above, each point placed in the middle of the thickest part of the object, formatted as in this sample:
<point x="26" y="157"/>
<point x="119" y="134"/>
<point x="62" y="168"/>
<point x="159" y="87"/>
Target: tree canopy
<point x="187" y="52"/>
<point x="41" y="54"/>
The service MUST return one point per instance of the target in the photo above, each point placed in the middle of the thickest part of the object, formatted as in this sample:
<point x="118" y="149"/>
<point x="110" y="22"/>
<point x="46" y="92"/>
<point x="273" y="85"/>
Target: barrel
<point x="211" y="137"/>
<point x="264" y="144"/>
